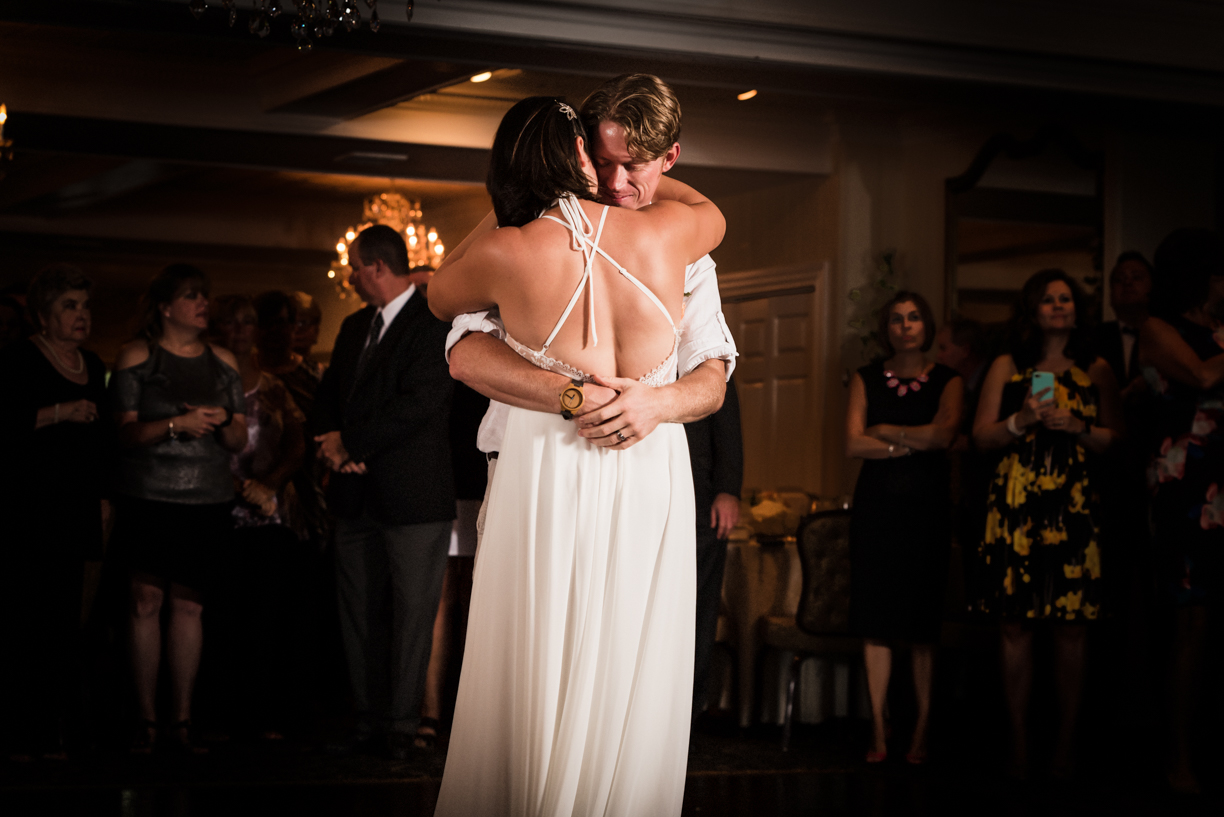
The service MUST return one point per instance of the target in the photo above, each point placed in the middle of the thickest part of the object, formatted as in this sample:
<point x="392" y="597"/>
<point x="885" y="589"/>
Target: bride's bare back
<point x="615" y="327"/>
<point x="532" y="273"/>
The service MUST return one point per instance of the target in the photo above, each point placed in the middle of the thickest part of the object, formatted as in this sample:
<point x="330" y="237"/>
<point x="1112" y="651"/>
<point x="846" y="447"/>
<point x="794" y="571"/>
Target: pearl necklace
<point x="80" y="357"/>
<point x="904" y="388"/>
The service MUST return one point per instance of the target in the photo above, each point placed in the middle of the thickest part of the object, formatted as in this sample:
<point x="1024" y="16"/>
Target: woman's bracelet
<point x="172" y="429"/>
<point x="1012" y="428"/>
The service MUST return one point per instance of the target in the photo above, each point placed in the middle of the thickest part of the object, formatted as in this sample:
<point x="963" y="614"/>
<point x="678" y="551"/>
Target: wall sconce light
<point x="6" y="145"/>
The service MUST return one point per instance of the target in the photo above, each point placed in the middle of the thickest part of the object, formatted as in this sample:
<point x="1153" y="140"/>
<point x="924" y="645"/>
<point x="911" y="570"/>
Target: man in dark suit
<point x="382" y="420"/>
<point x="1130" y="288"/>
<point x="716" y="450"/>
<point x="1122" y="484"/>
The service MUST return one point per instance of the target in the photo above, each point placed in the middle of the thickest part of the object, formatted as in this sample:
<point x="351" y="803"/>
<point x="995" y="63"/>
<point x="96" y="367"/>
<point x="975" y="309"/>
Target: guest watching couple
<point x="903" y="413"/>
<point x="1130" y="290"/>
<point x="274" y="314"/>
<point x="275" y="440"/>
<point x="306" y="322"/>
<point x="1122" y="486"/>
<point x="179" y="404"/>
<point x="1182" y="360"/>
<point x="56" y="455"/>
<point x="1049" y="406"/>
<point x="382" y="424"/>
<point x="262" y="598"/>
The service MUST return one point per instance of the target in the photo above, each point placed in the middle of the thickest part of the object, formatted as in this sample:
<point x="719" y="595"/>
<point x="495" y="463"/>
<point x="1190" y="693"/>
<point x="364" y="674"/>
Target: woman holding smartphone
<point x="1047" y="407"/>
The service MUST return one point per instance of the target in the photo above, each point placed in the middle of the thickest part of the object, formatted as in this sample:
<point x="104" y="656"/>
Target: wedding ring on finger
<point x="621" y="436"/>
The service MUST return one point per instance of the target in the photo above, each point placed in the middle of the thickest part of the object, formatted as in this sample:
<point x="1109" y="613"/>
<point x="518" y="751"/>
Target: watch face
<point x="571" y="398"/>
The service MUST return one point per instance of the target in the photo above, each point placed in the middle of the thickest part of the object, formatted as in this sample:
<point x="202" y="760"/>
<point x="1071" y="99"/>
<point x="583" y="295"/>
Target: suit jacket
<point x="395" y="418"/>
<point x="716" y="450"/>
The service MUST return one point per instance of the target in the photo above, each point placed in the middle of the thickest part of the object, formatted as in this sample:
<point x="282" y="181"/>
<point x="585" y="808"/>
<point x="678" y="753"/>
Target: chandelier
<point x="311" y="18"/>
<point x="401" y="215"/>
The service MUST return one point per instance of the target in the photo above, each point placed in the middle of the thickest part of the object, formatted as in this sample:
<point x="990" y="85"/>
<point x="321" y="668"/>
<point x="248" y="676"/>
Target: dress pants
<point x="389" y="582"/>
<point x="711" y="561"/>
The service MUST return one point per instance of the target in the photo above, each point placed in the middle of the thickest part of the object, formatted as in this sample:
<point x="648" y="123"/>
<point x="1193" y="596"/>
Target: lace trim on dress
<point x="665" y="372"/>
<point x="660" y="375"/>
<point x="545" y="362"/>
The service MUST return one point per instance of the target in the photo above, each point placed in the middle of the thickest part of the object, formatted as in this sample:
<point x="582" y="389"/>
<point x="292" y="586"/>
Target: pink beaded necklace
<point x="904" y="388"/>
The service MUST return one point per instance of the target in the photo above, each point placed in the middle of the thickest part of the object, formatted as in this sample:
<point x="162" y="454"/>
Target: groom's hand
<point x="595" y="397"/>
<point x="635" y="412"/>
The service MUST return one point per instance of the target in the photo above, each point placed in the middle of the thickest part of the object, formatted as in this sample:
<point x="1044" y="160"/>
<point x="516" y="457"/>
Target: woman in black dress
<point x="180" y="408"/>
<point x="55" y="461"/>
<point x="1182" y="361"/>
<point x="903" y="413"/>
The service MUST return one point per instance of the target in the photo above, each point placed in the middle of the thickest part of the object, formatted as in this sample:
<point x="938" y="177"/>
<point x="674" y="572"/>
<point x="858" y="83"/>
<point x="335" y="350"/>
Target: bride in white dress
<point x="575" y="694"/>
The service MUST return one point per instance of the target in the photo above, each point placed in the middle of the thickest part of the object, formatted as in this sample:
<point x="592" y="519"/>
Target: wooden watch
<point x="572" y="399"/>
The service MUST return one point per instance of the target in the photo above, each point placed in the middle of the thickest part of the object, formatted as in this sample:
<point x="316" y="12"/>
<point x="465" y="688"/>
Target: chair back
<point x="824" y="553"/>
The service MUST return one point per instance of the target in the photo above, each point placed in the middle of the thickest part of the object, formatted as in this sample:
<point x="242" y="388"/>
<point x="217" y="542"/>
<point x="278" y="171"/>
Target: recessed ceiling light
<point x="482" y="77"/>
<point x="746" y="95"/>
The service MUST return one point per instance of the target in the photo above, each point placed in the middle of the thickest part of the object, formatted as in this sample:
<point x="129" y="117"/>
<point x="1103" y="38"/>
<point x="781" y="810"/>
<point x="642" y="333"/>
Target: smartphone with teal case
<point x="1041" y="382"/>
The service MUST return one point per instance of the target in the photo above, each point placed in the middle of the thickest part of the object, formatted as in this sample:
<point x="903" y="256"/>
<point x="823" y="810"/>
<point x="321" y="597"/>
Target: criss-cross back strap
<point x="575" y="220"/>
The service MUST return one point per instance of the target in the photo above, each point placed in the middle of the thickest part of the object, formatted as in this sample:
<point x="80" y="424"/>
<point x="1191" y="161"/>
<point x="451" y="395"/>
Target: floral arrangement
<point x="869" y="300"/>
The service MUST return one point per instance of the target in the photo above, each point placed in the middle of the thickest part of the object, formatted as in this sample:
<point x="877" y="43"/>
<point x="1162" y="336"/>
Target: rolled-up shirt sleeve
<point x="704" y="334"/>
<point x="488" y="322"/>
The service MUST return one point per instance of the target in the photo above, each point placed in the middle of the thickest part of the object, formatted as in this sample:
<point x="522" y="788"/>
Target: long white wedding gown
<point x="576" y="690"/>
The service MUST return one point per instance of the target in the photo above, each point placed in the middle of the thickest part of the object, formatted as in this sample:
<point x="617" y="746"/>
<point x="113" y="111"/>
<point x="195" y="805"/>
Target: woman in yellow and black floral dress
<point x="1040" y="558"/>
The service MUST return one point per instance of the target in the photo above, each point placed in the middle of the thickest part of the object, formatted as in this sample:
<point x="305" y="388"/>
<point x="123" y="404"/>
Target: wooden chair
<point x="820" y="627"/>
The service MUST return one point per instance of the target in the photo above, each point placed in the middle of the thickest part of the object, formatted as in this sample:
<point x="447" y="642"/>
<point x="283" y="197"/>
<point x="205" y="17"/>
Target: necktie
<point x="371" y="343"/>
<point x="1132" y="360"/>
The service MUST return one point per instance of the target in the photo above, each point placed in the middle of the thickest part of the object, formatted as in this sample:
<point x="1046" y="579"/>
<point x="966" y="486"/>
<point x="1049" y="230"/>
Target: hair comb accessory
<point x="567" y="110"/>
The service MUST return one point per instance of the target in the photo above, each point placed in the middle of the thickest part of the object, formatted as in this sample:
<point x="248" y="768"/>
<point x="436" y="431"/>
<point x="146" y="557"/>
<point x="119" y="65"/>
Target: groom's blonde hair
<point x="644" y="106"/>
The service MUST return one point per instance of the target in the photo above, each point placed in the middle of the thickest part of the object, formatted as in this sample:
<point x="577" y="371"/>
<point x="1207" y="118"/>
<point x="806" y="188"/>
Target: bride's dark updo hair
<point x="534" y="160"/>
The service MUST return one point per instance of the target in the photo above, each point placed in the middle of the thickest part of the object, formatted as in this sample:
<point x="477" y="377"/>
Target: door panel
<point x="776" y="318"/>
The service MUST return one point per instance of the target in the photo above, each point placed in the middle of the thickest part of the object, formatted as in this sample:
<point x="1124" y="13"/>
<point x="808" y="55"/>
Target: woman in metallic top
<point x="179" y="405"/>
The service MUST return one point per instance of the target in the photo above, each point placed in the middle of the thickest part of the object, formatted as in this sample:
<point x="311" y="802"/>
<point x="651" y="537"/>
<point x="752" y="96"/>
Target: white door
<point x="777" y="319"/>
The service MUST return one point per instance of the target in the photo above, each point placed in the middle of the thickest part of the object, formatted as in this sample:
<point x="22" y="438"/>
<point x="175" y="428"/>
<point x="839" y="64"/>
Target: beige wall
<point x="885" y="191"/>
